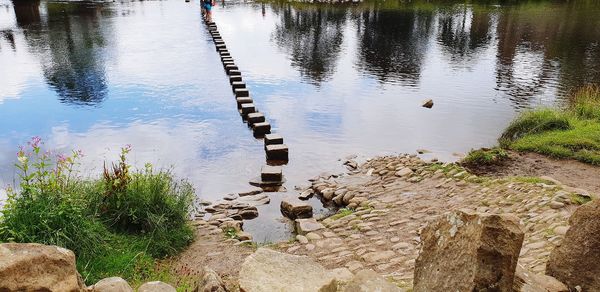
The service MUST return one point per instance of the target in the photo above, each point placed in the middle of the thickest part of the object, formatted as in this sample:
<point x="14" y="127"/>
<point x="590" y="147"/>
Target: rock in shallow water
<point x="294" y="208"/>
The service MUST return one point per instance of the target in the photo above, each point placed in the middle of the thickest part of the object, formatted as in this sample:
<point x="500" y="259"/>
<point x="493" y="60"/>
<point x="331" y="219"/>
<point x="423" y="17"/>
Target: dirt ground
<point x="569" y="172"/>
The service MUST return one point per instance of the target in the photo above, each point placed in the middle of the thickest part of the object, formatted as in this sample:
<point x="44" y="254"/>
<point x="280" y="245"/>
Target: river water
<point x="334" y="81"/>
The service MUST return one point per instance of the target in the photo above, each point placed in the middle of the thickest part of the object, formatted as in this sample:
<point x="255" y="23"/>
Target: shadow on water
<point x="70" y="38"/>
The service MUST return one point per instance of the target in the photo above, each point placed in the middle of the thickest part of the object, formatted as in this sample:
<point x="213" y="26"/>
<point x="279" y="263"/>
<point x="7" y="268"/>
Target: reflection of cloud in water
<point x="168" y="144"/>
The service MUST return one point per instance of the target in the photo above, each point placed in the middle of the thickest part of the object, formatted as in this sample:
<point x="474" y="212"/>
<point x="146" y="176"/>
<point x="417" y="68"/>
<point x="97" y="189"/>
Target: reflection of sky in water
<point x="333" y="83"/>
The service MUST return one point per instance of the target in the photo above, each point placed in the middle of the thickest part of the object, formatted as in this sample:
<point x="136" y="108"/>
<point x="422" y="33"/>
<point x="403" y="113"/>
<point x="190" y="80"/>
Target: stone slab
<point x="234" y="78"/>
<point x="254" y="118"/>
<point x="277" y="152"/>
<point x="304" y="226"/>
<point x="271" y="173"/>
<point x="235" y="73"/>
<point x="242" y="92"/>
<point x="238" y="84"/>
<point x="247" y="108"/>
<point x="243" y="100"/>
<point x="262" y="128"/>
<point x="271" y="139"/>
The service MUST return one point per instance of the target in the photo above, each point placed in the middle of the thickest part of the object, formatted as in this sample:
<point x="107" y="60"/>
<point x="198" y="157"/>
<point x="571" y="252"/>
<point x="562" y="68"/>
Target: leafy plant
<point x="486" y="156"/>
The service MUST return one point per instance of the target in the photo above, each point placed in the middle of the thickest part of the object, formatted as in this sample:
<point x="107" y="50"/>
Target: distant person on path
<point x="207" y="6"/>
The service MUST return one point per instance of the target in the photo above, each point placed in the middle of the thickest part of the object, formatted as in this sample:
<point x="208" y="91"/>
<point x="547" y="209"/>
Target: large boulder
<point x="526" y="281"/>
<point x="112" y="284"/>
<point x="576" y="262"/>
<point x="37" y="267"/>
<point x="268" y="270"/>
<point x="468" y="252"/>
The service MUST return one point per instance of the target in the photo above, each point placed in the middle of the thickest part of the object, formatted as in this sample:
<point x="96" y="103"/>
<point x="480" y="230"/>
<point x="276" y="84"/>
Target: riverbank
<point x="396" y="197"/>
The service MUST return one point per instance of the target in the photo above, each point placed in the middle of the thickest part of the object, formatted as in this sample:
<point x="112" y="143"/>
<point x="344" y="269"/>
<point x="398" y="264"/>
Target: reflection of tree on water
<point x="313" y="38"/>
<point x="70" y="44"/>
<point x="27" y="12"/>
<point x="463" y="32"/>
<point x="392" y="44"/>
<point x="559" y="45"/>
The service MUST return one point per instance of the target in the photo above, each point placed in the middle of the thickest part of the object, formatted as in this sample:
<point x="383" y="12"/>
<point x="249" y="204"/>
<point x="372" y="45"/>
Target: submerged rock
<point x="468" y="252"/>
<point x="428" y="103"/>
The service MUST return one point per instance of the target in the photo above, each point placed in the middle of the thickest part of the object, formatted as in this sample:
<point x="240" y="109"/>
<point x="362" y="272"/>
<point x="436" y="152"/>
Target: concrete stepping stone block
<point x="254" y="118"/>
<point x="238" y="84"/>
<point x="247" y="108"/>
<point x="277" y="152"/>
<point x="235" y="73"/>
<point x="261" y="128"/>
<point x="294" y="208"/>
<point x="225" y="54"/>
<point x="227" y="59"/>
<point x="234" y="78"/>
<point x="271" y="173"/>
<point x="242" y="92"/>
<point x="271" y="139"/>
<point x="242" y="100"/>
<point x="222" y="48"/>
<point x="219" y="41"/>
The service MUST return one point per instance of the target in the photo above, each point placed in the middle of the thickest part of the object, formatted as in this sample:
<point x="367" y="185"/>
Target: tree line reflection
<point x="533" y="45"/>
<point x="553" y="44"/>
<point x="69" y="39"/>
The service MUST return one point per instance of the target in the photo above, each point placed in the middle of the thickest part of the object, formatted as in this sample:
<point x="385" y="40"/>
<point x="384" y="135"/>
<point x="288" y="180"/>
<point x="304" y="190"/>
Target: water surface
<point x="334" y="81"/>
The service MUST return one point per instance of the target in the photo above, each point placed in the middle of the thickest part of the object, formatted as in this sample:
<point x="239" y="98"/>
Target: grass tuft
<point x="116" y="227"/>
<point x="570" y="133"/>
<point x="485" y="156"/>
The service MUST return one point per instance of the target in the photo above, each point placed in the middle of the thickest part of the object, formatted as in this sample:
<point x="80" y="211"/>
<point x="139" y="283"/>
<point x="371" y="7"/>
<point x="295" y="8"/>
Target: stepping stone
<point x="294" y="208"/>
<point x="304" y="226"/>
<point x="225" y="54"/>
<point x="243" y="100"/>
<point x="261" y="128"/>
<point x="242" y="92"/>
<point x="254" y="118"/>
<point x="272" y="139"/>
<point x="230" y="67"/>
<point x="219" y="41"/>
<point x="277" y="152"/>
<point x="222" y="49"/>
<point x="234" y="78"/>
<point x="226" y="59"/>
<point x="247" y="108"/>
<point x="238" y="84"/>
<point x="271" y="173"/>
<point x="235" y="73"/>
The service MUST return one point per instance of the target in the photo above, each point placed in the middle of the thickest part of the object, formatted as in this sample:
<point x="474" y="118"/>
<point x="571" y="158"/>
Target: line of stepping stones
<point x="276" y="151"/>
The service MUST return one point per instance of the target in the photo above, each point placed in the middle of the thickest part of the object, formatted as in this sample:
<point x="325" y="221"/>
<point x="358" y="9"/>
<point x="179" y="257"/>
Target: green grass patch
<point x="573" y="132"/>
<point x="118" y="225"/>
<point x="532" y="180"/>
<point x="579" y="199"/>
<point x="485" y="156"/>
<point x="343" y="212"/>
